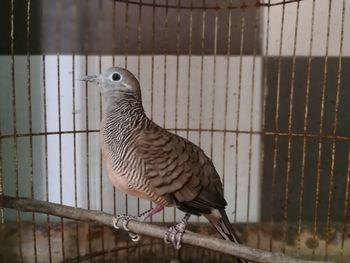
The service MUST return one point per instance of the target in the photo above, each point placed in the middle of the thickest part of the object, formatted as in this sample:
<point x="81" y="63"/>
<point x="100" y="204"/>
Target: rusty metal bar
<point x="264" y="94"/>
<point x="14" y="122"/>
<point x="290" y="122"/>
<point x="347" y="187"/>
<point x="335" y="122"/>
<point x="276" y="120"/>
<point x="319" y="153"/>
<point x="346" y="203"/>
<point x="306" y="114"/>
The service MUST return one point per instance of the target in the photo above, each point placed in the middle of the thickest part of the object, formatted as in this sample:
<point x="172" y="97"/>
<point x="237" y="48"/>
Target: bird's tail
<point x="219" y="219"/>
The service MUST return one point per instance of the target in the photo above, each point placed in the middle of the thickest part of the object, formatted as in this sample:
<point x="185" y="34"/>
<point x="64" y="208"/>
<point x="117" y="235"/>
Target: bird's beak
<point x="96" y="79"/>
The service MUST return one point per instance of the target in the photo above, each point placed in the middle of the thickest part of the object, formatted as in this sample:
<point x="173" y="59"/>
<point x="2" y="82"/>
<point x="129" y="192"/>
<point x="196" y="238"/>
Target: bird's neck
<point x="124" y="113"/>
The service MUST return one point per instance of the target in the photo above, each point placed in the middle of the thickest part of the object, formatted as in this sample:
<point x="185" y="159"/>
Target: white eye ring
<point x="116" y="77"/>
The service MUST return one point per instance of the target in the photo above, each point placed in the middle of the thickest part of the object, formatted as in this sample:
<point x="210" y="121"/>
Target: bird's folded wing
<point x="177" y="167"/>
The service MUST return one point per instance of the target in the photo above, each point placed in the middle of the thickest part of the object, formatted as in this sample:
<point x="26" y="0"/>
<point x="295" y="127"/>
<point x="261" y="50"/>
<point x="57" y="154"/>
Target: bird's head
<point x="117" y="82"/>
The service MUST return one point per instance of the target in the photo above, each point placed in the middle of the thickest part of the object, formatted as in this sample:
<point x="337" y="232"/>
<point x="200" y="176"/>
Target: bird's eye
<point x="116" y="77"/>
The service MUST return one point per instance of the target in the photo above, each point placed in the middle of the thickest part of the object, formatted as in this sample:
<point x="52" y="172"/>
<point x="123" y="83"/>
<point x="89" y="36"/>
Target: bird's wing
<point x="178" y="168"/>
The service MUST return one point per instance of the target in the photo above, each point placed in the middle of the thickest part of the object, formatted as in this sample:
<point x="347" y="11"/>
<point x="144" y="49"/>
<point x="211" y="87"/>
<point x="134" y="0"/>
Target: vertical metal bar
<point x="346" y="201"/>
<point x="126" y="37"/>
<point x="87" y="156"/>
<point x="201" y="85"/>
<point x="319" y="153"/>
<point x="126" y="42"/>
<point x="152" y="68"/>
<point x="334" y="132"/>
<point x="238" y="110"/>
<point x="177" y="70"/>
<point x="189" y="71"/>
<point x="14" y="121"/>
<point x="58" y="35"/>
<point x="290" y="122"/>
<point x="139" y="31"/>
<point x="165" y="65"/>
<point x="257" y="16"/>
<point x="30" y="124"/>
<point x="189" y="68"/>
<point x="114" y="30"/>
<point x="48" y="223"/>
<point x="139" y="76"/>
<point x="178" y="23"/>
<point x="276" y="138"/>
<point x="347" y="187"/>
<point x="74" y="14"/>
<point x="264" y="93"/>
<point x="152" y="72"/>
<point x="228" y="64"/>
<point x="214" y="84"/>
<point x="164" y="90"/>
<point x="306" y="114"/>
<point x="202" y="75"/>
<point x="100" y="40"/>
<point x="165" y="75"/>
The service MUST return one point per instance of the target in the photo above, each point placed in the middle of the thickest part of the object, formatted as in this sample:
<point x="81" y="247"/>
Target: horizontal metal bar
<point x="204" y="7"/>
<point x="263" y="133"/>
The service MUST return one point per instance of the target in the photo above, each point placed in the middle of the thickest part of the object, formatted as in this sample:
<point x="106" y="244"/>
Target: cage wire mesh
<point x="261" y="86"/>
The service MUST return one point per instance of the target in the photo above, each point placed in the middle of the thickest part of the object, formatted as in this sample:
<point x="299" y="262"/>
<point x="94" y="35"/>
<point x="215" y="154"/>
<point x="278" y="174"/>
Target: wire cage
<point x="261" y="86"/>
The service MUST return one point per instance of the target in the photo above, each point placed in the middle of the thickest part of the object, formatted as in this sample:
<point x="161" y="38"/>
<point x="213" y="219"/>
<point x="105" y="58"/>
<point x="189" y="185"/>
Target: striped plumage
<point x="149" y="162"/>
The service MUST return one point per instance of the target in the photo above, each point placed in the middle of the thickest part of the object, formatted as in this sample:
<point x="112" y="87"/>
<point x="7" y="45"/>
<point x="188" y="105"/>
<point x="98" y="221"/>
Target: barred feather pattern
<point x="155" y="163"/>
<point x="125" y="119"/>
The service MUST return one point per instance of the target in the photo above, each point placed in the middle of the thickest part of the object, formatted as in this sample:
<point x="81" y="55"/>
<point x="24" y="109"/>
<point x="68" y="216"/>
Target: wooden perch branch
<point x="253" y="254"/>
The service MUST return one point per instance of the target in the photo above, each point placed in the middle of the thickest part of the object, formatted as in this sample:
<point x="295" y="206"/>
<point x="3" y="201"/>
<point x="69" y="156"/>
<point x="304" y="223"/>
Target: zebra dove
<point x="147" y="161"/>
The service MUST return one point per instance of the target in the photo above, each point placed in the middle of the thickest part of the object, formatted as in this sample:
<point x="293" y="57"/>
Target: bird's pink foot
<point x="147" y="214"/>
<point x="174" y="234"/>
<point x="125" y="220"/>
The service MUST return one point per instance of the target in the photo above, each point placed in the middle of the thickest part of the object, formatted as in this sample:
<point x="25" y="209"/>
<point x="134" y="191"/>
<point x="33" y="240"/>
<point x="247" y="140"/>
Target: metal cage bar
<point x="204" y="25"/>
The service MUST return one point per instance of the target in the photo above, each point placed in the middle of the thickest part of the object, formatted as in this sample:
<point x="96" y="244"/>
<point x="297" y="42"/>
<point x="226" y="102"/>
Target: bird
<point x="147" y="161"/>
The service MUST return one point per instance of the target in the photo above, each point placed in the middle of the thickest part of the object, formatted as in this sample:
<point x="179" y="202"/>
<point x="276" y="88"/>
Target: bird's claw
<point x="174" y="235"/>
<point x="125" y="220"/>
<point x="134" y="237"/>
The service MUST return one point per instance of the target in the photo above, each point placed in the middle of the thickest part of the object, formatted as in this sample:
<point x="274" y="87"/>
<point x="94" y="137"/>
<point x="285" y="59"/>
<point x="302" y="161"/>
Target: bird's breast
<point x="126" y="175"/>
